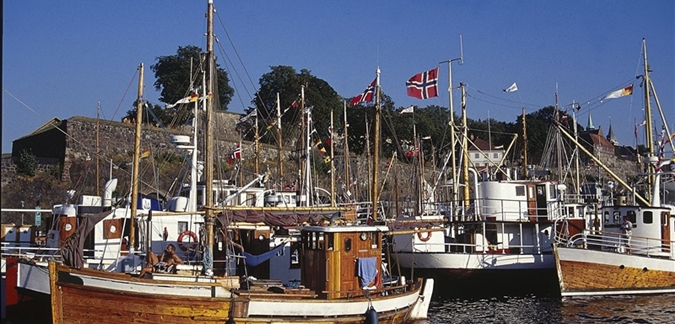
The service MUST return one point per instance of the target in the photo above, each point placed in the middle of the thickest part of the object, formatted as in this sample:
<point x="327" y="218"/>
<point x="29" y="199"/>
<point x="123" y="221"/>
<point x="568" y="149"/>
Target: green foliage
<point x="26" y="165"/>
<point x="288" y="83"/>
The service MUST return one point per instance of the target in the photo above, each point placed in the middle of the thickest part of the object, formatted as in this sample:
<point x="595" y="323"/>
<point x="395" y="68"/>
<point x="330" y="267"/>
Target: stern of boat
<point x="420" y="309"/>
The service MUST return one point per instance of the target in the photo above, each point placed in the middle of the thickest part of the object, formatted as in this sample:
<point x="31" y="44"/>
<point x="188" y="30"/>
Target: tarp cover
<point x="72" y="249"/>
<point x="254" y="260"/>
<point x="275" y="217"/>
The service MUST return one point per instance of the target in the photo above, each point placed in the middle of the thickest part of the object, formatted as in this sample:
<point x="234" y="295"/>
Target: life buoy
<point x="424" y="236"/>
<point x="187" y="245"/>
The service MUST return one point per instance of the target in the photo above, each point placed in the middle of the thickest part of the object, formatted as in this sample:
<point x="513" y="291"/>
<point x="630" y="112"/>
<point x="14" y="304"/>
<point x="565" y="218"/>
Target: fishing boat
<point x="495" y="238"/>
<point x="341" y="283"/>
<point x="503" y="246"/>
<point x="638" y="259"/>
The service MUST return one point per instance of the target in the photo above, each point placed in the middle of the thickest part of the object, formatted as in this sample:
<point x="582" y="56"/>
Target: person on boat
<point x="626" y="231"/>
<point x="168" y="259"/>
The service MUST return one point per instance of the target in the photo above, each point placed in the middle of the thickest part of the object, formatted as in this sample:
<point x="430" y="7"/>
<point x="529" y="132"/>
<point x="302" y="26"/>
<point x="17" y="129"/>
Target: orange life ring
<point x="192" y="245"/>
<point x="424" y="236"/>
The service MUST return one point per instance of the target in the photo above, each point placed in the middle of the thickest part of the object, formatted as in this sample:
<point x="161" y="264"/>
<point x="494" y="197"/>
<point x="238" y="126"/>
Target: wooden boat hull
<point x="591" y="272"/>
<point x="82" y="296"/>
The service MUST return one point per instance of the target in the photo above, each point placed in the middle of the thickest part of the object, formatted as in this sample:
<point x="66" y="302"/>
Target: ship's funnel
<point x="110" y="186"/>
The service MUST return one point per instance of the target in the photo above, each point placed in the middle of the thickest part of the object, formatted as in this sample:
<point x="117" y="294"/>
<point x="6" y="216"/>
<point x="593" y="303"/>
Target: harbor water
<point x="550" y="309"/>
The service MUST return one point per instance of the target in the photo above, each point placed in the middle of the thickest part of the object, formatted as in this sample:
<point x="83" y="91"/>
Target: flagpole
<point x="451" y="123"/>
<point x="348" y="181"/>
<point x="376" y="148"/>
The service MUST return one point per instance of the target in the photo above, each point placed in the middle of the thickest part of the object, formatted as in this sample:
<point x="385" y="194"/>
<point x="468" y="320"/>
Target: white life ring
<point x="187" y="245"/>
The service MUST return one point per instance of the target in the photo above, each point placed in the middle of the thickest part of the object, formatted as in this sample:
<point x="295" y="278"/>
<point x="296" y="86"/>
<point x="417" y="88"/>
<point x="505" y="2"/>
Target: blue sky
<point x="61" y="58"/>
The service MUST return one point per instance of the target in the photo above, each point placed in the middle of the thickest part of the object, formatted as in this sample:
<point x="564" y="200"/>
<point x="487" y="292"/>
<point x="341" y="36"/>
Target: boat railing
<point x="498" y="248"/>
<point x="510" y="210"/>
<point x="619" y="243"/>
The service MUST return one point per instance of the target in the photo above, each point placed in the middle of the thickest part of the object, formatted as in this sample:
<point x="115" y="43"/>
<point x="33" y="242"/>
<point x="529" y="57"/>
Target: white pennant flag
<point x="408" y="110"/>
<point x="512" y="88"/>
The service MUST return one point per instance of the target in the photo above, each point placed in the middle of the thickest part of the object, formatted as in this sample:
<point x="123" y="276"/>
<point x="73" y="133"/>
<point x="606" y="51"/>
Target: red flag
<point x="366" y="96"/>
<point x="423" y="85"/>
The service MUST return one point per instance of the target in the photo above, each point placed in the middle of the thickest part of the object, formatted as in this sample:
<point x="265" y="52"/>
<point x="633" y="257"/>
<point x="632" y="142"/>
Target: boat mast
<point x="98" y="125"/>
<point x="452" y="124"/>
<point x="257" y="144"/>
<point x="208" y="143"/>
<point x="524" y="144"/>
<point x="376" y="147"/>
<point x="332" y="162"/>
<point x="280" y="165"/>
<point x="465" y="154"/>
<point x="136" y="160"/>
<point x="651" y="168"/>
<point x="347" y="181"/>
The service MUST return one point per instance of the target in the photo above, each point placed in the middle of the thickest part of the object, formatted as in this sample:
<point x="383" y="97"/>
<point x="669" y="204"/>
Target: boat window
<point x="520" y="191"/>
<point x="348" y="244"/>
<point x="647" y="217"/>
<point x="320" y="244"/>
<point x="617" y="216"/>
<point x="329" y="242"/>
<point x="553" y="191"/>
<point x="200" y="197"/>
<point x="664" y="219"/>
<point x="632" y="216"/>
<point x="375" y="242"/>
<point x="250" y="199"/>
<point x="606" y="217"/>
<point x="313" y="240"/>
<point x="182" y="227"/>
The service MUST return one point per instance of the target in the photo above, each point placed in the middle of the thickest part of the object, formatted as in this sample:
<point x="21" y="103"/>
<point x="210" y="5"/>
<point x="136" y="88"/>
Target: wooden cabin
<point x="339" y="261"/>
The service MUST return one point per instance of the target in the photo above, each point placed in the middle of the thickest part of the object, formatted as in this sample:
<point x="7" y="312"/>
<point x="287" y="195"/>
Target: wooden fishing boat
<point x="341" y="282"/>
<point x="635" y="251"/>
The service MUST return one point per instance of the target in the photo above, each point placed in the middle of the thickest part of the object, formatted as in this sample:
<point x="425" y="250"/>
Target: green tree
<point x="26" y="165"/>
<point x="288" y="83"/>
<point x="173" y="75"/>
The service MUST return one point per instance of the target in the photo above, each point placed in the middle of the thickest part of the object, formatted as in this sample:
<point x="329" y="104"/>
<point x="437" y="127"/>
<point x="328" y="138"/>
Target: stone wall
<point x="76" y="139"/>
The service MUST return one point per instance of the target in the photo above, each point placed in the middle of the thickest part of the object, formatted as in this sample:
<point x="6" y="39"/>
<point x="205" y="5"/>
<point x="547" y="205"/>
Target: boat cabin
<point x="342" y="261"/>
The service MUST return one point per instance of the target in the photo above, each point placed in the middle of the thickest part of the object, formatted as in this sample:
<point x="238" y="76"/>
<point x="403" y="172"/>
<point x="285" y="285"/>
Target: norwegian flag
<point x="366" y="96"/>
<point x="423" y="85"/>
<point x="235" y="155"/>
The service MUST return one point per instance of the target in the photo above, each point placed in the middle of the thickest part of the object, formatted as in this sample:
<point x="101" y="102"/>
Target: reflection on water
<point x="532" y="309"/>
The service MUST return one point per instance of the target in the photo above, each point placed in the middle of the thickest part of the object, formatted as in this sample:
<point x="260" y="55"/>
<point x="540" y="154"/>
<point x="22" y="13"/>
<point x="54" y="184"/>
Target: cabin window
<point x="632" y="216"/>
<point x="374" y="241"/>
<point x="250" y="199"/>
<point x="553" y="191"/>
<point x="320" y="243"/>
<point x="664" y="219"/>
<point x="348" y="244"/>
<point x="606" y="217"/>
<point x="647" y="217"/>
<point x="200" y="197"/>
<point x="182" y="227"/>
<point x="312" y="239"/>
<point x="329" y="242"/>
<point x="520" y="191"/>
